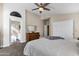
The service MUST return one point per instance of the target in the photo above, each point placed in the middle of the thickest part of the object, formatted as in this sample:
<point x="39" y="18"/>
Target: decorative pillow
<point x="54" y="37"/>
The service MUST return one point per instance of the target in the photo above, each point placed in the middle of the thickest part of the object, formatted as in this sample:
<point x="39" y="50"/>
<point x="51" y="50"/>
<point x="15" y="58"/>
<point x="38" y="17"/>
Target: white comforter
<point x="46" y="47"/>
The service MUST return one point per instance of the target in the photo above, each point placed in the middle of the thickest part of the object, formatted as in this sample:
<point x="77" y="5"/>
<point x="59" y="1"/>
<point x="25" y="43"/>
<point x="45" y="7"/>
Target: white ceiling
<point x="56" y="8"/>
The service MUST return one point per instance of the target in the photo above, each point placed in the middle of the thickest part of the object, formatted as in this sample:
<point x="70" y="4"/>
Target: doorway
<point x="15" y="28"/>
<point x="46" y="27"/>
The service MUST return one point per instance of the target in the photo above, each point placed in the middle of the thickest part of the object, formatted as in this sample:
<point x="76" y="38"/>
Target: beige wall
<point x="1" y="22"/>
<point x="63" y="17"/>
<point x="32" y="19"/>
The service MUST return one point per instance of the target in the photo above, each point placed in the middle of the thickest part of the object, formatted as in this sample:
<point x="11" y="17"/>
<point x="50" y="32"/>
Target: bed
<point x="46" y="47"/>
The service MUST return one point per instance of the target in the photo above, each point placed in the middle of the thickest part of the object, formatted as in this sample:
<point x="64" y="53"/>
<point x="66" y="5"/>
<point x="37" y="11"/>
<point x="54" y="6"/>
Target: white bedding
<point x="46" y="47"/>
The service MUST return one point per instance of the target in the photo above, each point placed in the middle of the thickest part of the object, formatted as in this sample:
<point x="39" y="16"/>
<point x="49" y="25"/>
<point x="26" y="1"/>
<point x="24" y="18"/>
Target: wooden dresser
<point x="32" y="36"/>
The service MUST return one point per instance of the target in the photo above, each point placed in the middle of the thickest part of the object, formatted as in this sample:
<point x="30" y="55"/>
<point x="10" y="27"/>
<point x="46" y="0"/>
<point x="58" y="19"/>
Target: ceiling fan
<point x="41" y="7"/>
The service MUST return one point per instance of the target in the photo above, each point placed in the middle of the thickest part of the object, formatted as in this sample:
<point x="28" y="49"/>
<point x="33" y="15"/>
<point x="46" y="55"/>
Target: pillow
<point x="54" y="37"/>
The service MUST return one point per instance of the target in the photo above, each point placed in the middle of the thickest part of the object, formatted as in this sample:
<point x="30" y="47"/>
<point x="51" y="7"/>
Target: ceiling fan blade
<point x="46" y="9"/>
<point x="35" y="9"/>
<point x="46" y="4"/>
<point x="37" y="4"/>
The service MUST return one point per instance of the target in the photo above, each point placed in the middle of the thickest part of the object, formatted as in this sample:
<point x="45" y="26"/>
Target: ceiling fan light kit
<point x="41" y="7"/>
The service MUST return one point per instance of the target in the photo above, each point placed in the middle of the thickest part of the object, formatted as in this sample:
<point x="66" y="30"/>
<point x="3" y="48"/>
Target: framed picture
<point x="31" y="28"/>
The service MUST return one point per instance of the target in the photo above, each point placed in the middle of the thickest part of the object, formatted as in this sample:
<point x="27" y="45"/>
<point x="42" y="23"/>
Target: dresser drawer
<point x="32" y="36"/>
